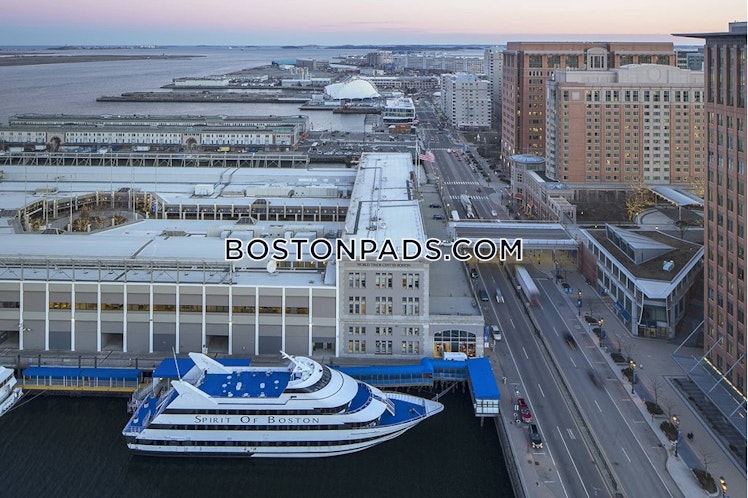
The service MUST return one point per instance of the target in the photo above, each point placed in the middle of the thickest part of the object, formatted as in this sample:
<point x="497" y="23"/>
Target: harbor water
<point x="61" y="446"/>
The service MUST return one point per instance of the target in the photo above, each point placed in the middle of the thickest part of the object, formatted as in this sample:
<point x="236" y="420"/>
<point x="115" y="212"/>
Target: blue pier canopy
<point x="168" y="370"/>
<point x="483" y="379"/>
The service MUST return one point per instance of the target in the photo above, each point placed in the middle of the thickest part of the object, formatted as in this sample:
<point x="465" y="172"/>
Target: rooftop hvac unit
<point x="668" y="265"/>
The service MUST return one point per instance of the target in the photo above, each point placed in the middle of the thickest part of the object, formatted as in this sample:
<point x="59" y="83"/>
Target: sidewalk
<point x="656" y="368"/>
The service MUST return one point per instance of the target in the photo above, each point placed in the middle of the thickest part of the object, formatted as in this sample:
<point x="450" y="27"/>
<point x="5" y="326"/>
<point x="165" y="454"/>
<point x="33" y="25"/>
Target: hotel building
<point x="640" y="123"/>
<point x="528" y="65"/>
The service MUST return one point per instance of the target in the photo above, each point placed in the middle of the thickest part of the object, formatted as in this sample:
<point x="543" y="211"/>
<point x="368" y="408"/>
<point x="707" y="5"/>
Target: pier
<point x="79" y="381"/>
<point x="432" y="372"/>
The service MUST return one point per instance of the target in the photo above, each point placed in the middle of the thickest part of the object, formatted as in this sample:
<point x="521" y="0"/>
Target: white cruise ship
<point x="303" y="409"/>
<point x="9" y="393"/>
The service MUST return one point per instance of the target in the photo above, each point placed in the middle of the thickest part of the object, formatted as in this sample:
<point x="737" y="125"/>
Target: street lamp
<point x="632" y="364"/>
<point x="723" y="486"/>
<point x="579" y="302"/>
<point x="676" y="423"/>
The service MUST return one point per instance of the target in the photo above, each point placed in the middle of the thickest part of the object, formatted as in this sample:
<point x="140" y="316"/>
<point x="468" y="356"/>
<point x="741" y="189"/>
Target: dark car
<point x="473" y="272"/>
<point x="570" y="340"/>
<point x="438" y="216"/>
<point x="483" y="295"/>
<point x="535" y="440"/>
<point x="435" y="205"/>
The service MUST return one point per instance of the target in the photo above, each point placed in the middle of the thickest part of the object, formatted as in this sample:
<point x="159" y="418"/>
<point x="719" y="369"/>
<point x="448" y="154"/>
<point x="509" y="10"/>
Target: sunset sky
<point x="326" y="22"/>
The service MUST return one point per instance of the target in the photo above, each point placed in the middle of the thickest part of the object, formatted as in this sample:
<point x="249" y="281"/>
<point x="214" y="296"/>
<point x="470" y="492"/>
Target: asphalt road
<point x="578" y="475"/>
<point x="635" y="464"/>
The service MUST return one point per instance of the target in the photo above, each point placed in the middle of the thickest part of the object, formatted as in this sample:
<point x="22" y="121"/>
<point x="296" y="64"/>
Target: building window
<point x="356" y="346"/>
<point x="356" y="305"/>
<point x="383" y="280"/>
<point x="383" y="305"/>
<point x="411" y="280"/>
<point x="383" y="347"/>
<point x="383" y="330"/>
<point x="356" y="280"/>
<point x="357" y="330"/>
<point x="412" y="331"/>
<point x="411" y="306"/>
<point x="410" y="347"/>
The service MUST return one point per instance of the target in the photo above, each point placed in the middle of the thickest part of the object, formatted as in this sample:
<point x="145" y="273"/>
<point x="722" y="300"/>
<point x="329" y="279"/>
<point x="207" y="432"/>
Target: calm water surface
<point x="55" y="446"/>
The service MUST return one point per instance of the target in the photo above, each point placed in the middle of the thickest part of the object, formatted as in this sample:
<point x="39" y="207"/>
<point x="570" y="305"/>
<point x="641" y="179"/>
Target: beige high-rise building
<point x="642" y="123"/>
<point x="527" y="66"/>
<point x="725" y="184"/>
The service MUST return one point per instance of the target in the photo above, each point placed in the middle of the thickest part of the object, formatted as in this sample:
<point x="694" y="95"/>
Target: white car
<point x="499" y="296"/>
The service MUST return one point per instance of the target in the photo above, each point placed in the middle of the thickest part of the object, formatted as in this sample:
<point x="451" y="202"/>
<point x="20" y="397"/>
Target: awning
<point x="518" y="197"/>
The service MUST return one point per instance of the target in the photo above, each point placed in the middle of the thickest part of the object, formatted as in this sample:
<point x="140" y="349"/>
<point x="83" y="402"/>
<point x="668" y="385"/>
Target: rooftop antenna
<point x="176" y="364"/>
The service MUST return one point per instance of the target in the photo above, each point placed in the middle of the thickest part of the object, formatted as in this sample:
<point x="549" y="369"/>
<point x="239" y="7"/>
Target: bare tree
<point x="619" y="342"/>
<point x="655" y="386"/>
<point x="668" y="406"/>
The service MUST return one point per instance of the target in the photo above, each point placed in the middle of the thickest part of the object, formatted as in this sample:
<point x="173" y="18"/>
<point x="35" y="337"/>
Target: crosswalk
<point x="471" y="197"/>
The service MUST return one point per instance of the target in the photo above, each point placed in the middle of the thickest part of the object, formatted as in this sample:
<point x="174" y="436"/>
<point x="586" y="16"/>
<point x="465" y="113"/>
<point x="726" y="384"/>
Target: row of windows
<point x="183" y="308"/>
<point x="383" y="305"/>
<point x="384" y="280"/>
<point x="384" y="347"/>
<point x="408" y="331"/>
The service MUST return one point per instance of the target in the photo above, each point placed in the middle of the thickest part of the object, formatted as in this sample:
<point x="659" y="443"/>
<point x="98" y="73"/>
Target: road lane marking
<point x="627" y="455"/>
<point x="571" y="433"/>
<point x="541" y="390"/>
<point x="598" y="406"/>
<point x="523" y="349"/>
<point x="572" y="362"/>
<point x="555" y="330"/>
<point x="571" y="459"/>
<point x="512" y="322"/>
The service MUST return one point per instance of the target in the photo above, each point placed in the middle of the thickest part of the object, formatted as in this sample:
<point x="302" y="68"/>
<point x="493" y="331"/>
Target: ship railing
<point x="387" y="401"/>
<point x="408" y="399"/>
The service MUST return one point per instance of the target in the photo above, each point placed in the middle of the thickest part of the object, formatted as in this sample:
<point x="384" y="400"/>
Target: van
<point x="483" y="295"/>
<point x="454" y="356"/>
<point x="495" y="333"/>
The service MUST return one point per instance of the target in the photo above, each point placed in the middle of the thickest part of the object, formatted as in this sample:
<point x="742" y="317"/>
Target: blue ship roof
<point x="73" y="372"/>
<point x="253" y="384"/>
<point x="168" y="370"/>
<point x="482" y="379"/>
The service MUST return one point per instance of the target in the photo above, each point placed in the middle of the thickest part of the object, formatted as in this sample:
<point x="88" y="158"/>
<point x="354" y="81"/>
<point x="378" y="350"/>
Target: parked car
<point x="473" y="272"/>
<point x="483" y="295"/>
<point x="495" y="333"/>
<point x="438" y="216"/>
<point x="524" y="411"/>
<point x="435" y="205"/>
<point x="535" y="440"/>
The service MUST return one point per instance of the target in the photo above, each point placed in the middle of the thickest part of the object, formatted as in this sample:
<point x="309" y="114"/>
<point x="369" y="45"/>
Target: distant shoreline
<point x="28" y="60"/>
